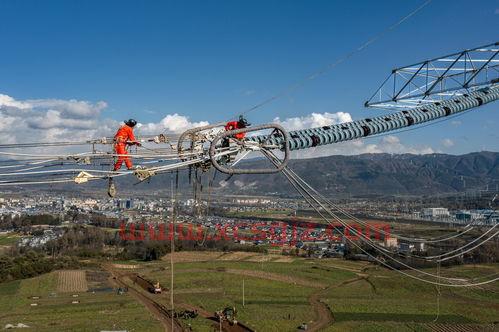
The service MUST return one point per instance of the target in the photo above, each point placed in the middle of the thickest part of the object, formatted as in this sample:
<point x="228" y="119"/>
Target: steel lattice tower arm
<point x="439" y="78"/>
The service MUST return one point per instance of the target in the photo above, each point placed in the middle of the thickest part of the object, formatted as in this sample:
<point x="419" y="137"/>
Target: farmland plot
<point x="72" y="281"/>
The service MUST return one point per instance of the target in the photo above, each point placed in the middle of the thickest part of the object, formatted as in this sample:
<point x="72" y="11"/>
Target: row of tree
<point x="30" y="264"/>
<point x="25" y="221"/>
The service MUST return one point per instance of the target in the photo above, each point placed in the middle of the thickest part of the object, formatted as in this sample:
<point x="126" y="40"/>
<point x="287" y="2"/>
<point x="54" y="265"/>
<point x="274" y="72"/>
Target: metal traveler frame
<point x="248" y="145"/>
<point x="191" y="133"/>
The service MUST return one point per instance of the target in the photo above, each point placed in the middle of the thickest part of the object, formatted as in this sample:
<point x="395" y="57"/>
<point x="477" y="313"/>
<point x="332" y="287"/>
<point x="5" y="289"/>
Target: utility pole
<point x="243" y="292"/>
<point x="172" y="248"/>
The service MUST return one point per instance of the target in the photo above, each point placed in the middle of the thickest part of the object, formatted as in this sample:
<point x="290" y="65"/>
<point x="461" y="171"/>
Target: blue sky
<point x="209" y="60"/>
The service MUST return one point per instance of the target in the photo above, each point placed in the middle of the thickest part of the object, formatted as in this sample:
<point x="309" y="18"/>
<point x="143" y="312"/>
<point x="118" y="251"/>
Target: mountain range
<point x="381" y="174"/>
<point x="365" y="175"/>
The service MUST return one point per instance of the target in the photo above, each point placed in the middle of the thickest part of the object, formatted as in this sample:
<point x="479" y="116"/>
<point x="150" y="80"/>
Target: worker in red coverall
<point x="233" y="125"/>
<point x="240" y="124"/>
<point x="124" y="137"/>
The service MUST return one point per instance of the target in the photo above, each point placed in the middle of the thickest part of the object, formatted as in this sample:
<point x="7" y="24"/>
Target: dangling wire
<point x="172" y="246"/>
<point x="303" y="188"/>
<point x="438" y="292"/>
<point x="208" y="203"/>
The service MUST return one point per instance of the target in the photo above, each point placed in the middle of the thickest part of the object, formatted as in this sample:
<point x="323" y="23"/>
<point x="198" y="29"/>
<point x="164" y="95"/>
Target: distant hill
<point x="381" y="174"/>
<point x="337" y="176"/>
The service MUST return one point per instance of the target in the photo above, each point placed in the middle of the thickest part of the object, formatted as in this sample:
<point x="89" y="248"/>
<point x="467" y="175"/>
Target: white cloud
<point x="7" y="101"/>
<point x="69" y="108"/>
<point x="45" y="120"/>
<point x="386" y="144"/>
<point x="447" y="142"/>
<point x="392" y="144"/>
<point x="171" y="123"/>
<point x="314" y="120"/>
<point x="455" y="123"/>
<point x="48" y="120"/>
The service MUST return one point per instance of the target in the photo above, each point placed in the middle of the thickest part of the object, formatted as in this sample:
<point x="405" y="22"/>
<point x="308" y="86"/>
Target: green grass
<point x="360" y="326"/>
<point x="55" y="312"/>
<point x="226" y="290"/>
<point x="386" y="296"/>
<point x="269" y="305"/>
<point x="8" y="239"/>
<point x="361" y="297"/>
<point x="9" y="288"/>
<point x="380" y="300"/>
<point x="310" y="270"/>
<point x="390" y="317"/>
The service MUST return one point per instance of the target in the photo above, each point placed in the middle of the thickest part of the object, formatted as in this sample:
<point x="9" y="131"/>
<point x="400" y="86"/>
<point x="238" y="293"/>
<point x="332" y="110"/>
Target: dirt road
<point x="324" y="317"/>
<point x="226" y="327"/>
<point x="323" y="313"/>
<point x="156" y="309"/>
<point x="163" y="314"/>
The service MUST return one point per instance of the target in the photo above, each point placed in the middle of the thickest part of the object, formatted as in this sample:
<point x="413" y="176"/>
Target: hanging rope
<point x="438" y="293"/>
<point x="210" y="185"/>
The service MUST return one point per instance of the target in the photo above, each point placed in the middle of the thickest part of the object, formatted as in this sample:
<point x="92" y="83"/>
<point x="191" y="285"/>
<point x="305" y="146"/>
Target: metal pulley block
<point x="85" y="160"/>
<point x="161" y="138"/>
<point x="83" y="177"/>
<point x="205" y="166"/>
<point x="248" y="146"/>
<point x="143" y="174"/>
<point x="195" y="139"/>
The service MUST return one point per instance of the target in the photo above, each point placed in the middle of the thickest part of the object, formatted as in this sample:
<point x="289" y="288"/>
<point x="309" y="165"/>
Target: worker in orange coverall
<point x="233" y="125"/>
<point x="240" y="124"/>
<point x="124" y="137"/>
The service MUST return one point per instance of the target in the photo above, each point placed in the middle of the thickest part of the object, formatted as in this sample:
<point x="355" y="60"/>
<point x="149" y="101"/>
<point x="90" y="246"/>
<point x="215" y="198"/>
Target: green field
<point x="360" y="296"/>
<point x="8" y="239"/>
<point x="55" y="311"/>
<point x="279" y="296"/>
